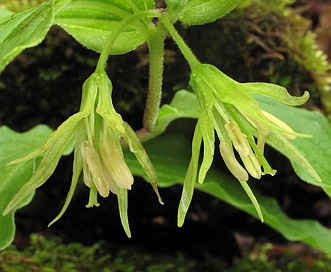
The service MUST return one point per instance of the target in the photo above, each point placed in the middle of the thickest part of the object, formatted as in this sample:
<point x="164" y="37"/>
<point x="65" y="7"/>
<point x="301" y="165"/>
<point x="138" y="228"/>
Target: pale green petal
<point x="56" y="136"/>
<point x="239" y="95"/>
<point x="252" y="198"/>
<point x="190" y="178"/>
<point x="276" y="92"/>
<point x="122" y="199"/>
<point x="139" y="151"/>
<point x="77" y="168"/>
<point x="223" y="87"/>
<point x="202" y="90"/>
<point x="206" y="126"/>
<point x="105" y="106"/>
<point x="89" y="93"/>
<point x="60" y="139"/>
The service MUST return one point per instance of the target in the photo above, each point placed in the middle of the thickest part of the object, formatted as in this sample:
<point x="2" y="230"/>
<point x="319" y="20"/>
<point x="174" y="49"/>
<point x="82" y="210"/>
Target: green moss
<point x="51" y="254"/>
<point x="292" y="57"/>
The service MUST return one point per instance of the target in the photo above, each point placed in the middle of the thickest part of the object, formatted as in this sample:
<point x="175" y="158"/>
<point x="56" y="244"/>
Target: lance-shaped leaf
<point x="23" y="30"/>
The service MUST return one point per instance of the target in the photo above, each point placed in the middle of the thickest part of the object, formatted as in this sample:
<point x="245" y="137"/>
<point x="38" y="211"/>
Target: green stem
<point x="187" y="52"/>
<point x="109" y="44"/>
<point x="156" y="52"/>
<point x="106" y="51"/>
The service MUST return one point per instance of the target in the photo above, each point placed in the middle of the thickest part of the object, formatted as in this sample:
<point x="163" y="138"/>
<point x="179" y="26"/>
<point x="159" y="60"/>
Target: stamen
<point x="238" y="138"/>
<point x="94" y="166"/>
<point x="252" y="165"/>
<point x="231" y="162"/>
<point x="281" y="124"/>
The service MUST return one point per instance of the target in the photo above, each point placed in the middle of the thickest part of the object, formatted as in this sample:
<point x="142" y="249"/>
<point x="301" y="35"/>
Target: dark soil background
<point x="43" y="85"/>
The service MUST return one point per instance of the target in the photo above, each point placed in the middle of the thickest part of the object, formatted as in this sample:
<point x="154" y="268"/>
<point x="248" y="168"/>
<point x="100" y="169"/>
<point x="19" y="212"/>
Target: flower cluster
<point x="229" y="109"/>
<point x="96" y="131"/>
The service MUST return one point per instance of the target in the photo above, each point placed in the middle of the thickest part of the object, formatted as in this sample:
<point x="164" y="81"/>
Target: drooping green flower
<point x="229" y="109"/>
<point x="96" y="131"/>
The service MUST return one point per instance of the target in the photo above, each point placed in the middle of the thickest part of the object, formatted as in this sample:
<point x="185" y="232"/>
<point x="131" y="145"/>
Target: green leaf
<point x="91" y="23"/>
<point x="4" y="14"/>
<point x="176" y="5"/>
<point x="23" y="30"/>
<point x="144" y="4"/>
<point x="13" y="177"/>
<point x="316" y="149"/>
<point x="170" y="155"/>
<point x="197" y="12"/>
<point x="183" y="105"/>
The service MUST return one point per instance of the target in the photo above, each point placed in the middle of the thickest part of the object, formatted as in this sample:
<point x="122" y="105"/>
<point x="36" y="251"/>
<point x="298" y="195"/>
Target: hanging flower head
<point x="229" y="109"/>
<point x="96" y="130"/>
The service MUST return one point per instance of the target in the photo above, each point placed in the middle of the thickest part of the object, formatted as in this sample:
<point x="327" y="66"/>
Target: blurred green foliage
<point x="19" y="5"/>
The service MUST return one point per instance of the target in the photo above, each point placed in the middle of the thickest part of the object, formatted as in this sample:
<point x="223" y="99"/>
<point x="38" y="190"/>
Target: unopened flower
<point x="96" y="131"/>
<point x="229" y="109"/>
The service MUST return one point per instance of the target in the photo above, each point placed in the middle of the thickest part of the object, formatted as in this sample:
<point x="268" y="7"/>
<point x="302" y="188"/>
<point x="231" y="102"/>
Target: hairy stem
<point x="156" y="52"/>
<point x="187" y="52"/>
